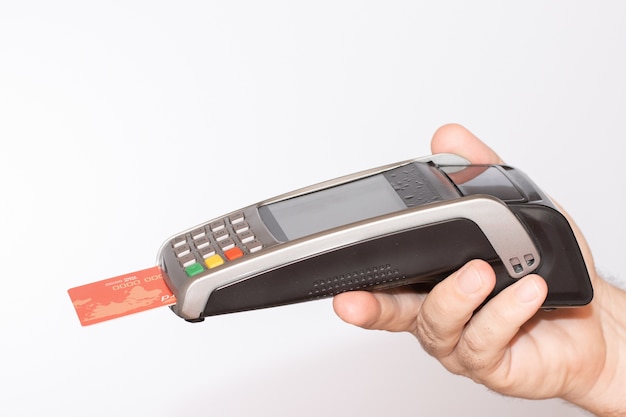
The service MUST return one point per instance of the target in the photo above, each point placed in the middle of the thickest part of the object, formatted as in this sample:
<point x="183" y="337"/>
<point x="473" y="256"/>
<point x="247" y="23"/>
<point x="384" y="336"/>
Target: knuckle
<point x="430" y="336"/>
<point x="475" y="357"/>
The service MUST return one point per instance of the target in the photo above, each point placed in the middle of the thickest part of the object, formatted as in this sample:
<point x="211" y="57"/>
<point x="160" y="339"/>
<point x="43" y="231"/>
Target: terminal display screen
<point x="332" y="207"/>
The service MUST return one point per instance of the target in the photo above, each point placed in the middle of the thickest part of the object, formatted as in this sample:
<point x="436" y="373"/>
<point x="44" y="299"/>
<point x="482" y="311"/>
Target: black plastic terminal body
<point x="439" y="249"/>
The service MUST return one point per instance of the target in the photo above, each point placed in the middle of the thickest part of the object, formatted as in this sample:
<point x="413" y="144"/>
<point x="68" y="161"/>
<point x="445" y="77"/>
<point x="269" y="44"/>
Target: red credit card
<point x="120" y="296"/>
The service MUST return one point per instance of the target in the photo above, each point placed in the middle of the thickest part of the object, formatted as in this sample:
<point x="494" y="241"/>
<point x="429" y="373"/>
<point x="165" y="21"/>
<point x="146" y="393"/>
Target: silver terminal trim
<point x="439" y="159"/>
<point x="519" y="254"/>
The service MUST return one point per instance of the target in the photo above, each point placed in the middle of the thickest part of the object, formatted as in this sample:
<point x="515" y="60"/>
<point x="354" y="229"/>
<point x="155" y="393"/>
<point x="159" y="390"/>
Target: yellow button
<point x="213" y="261"/>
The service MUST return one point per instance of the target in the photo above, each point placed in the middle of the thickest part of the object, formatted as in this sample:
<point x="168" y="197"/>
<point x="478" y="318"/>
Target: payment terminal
<point x="408" y="223"/>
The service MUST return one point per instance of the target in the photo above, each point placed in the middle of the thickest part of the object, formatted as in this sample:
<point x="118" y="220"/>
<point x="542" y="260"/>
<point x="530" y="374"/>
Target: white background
<point x="122" y="123"/>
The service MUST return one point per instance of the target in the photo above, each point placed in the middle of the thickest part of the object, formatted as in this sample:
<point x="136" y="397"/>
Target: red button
<point x="233" y="253"/>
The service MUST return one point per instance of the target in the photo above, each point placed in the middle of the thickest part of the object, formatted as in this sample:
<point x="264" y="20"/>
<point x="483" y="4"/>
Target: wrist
<point x="603" y="391"/>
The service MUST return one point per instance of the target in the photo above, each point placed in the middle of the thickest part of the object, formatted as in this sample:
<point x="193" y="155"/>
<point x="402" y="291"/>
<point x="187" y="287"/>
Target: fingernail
<point x="469" y="280"/>
<point x="527" y="291"/>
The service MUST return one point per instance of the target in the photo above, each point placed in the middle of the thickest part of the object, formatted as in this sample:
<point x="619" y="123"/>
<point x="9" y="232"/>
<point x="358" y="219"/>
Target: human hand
<point x="509" y="345"/>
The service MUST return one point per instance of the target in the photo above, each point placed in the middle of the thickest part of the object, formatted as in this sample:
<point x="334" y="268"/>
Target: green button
<point x="193" y="269"/>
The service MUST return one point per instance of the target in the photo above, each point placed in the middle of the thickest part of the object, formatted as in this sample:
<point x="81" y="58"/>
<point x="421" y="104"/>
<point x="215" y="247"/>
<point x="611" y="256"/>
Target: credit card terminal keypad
<point x="213" y="244"/>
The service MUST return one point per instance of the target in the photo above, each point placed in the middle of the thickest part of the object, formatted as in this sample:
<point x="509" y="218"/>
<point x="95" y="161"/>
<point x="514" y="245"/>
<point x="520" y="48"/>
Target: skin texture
<point x="509" y="345"/>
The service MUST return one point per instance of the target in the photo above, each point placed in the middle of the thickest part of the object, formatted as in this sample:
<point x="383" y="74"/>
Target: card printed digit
<point x="120" y="296"/>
